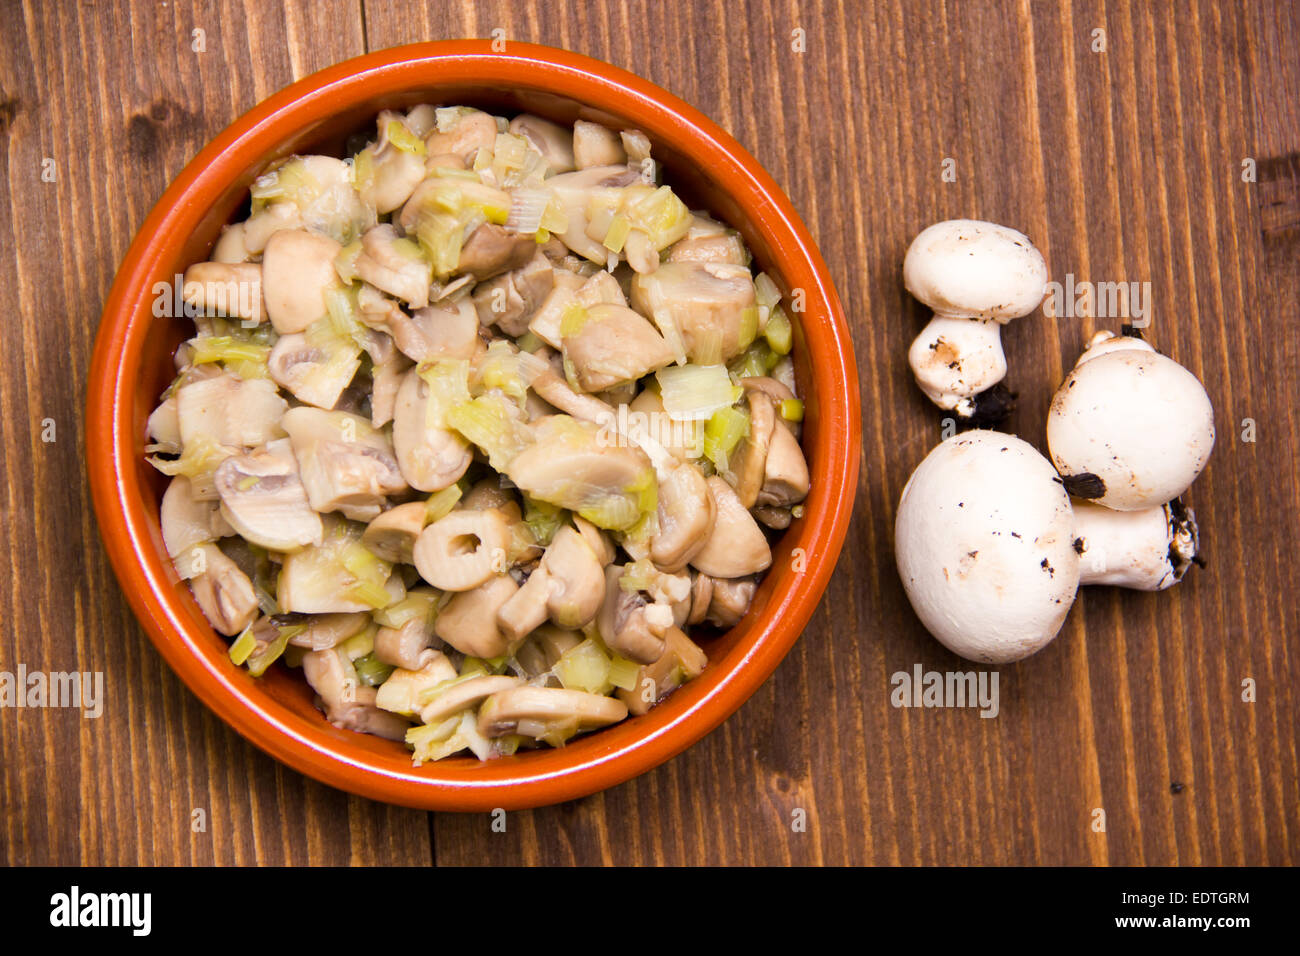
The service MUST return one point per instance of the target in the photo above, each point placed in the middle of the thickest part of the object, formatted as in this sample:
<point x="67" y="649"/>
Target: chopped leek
<point x="441" y="502"/>
<point x="448" y="381"/>
<point x="404" y="139"/>
<point x="584" y="667"/>
<point x="488" y="423"/>
<point x="245" y="359"/>
<point x="792" y="409"/>
<point x="766" y="292"/>
<point x="662" y="216"/>
<point x="623" y="673"/>
<point x="543" y="519"/>
<point x="695" y="392"/>
<point x="371" y="671"/>
<point x="723" y="433"/>
<point x="419" y="605"/>
<point x="267" y="654"/>
<point x="778" y="332"/>
<point x="243" y="646"/>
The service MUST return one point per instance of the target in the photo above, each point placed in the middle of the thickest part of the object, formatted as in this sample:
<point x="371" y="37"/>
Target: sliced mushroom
<point x="347" y="704"/>
<point x="297" y="271"/>
<point x="406" y="687"/>
<point x="324" y="631"/>
<point x="469" y="621"/>
<point x="708" y="303"/>
<point x="509" y="301"/>
<point x="576" y="191"/>
<point x="463" y="135"/>
<point x="728" y="248"/>
<point x="445" y="330"/>
<point x="778" y="519"/>
<point x="737" y="545"/>
<point x="614" y="345"/>
<point x="386" y="381"/>
<point x="314" y="374"/>
<point x="570" y="465"/>
<point x="568" y="585"/>
<point x="686" y="515"/>
<point x="392" y="535"/>
<point x="263" y="499"/>
<point x="746" y="467"/>
<point x="600" y="289"/>
<point x="220" y="288"/>
<point x="682" y="660"/>
<point x="701" y="598"/>
<point x="730" y="600"/>
<point x="553" y="141"/>
<point x="546" y="645"/>
<point x="429" y="456"/>
<point x="337" y="576"/>
<point x="344" y="462"/>
<point x="551" y="386"/>
<point x="626" y="622"/>
<point x="524" y="708"/>
<point x="404" y="646"/>
<point x="394" y="172"/>
<point x="462" y="550"/>
<point x="223" y="592"/>
<point x="229" y="410"/>
<point x="393" y="264"/>
<point x="464" y="695"/>
<point x="785" y="472"/>
<point x="596" y="145"/>
<point x="778" y="392"/>
<point x="187" y="522"/>
<point x="491" y="250"/>
<point x="596" y="539"/>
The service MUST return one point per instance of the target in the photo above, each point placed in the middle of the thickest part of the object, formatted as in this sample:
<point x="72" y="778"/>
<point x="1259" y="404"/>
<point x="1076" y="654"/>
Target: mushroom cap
<point x="1135" y="419"/>
<point x="965" y="267"/>
<point x="984" y="543"/>
<point x="297" y="270"/>
<point x="736" y="545"/>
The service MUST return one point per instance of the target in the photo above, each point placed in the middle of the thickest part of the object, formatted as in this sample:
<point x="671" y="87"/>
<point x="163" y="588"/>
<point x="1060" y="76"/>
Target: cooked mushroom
<point x="746" y="467"/>
<point x="490" y="250"/>
<point x="568" y="585"/>
<point x="344" y="462"/>
<point x="711" y="306"/>
<point x="263" y="498"/>
<point x="229" y="410"/>
<point x="628" y="623"/>
<point x="297" y="271"/>
<point x="219" y="288"/>
<point x="464" y="695"/>
<point x="613" y="344"/>
<point x="575" y="192"/>
<point x="393" y="170"/>
<point x="315" y="374"/>
<point x="534" y="710"/>
<point x="462" y="132"/>
<point x="552" y="140"/>
<point x="347" y="704"/>
<point x="394" y="264"/>
<point x="462" y="550"/>
<point x="392" y="535"/>
<point x="686" y="515"/>
<point x="223" y="592"/>
<point x="728" y="248"/>
<point x="730" y="600"/>
<point x="187" y="521"/>
<point x="509" y="301"/>
<point x="469" y="621"/>
<point x="785" y="472"/>
<point x="337" y="576"/>
<point x="682" y="660"/>
<point x="567" y="465"/>
<point x="596" y="145"/>
<point x="444" y="330"/>
<point x="430" y="456"/>
<point x="406" y="687"/>
<point x="323" y="631"/>
<point x="736" y="545"/>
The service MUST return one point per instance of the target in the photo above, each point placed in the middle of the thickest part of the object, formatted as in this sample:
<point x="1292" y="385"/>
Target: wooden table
<point x="1124" y="164"/>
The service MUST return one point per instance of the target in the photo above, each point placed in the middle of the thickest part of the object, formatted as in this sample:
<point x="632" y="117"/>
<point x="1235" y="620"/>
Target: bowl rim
<point x="111" y="448"/>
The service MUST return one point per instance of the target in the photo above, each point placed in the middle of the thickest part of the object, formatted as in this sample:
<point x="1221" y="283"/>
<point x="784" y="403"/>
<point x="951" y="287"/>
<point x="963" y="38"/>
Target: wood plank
<point x="1123" y="165"/>
<point x="118" y="98"/>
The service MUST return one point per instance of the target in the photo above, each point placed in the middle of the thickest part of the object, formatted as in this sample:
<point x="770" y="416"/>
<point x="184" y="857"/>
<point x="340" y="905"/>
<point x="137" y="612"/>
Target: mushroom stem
<point x="955" y="359"/>
<point x="1147" y="550"/>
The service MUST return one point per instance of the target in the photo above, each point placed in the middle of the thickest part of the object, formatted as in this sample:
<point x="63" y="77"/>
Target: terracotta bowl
<point x="132" y="365"/>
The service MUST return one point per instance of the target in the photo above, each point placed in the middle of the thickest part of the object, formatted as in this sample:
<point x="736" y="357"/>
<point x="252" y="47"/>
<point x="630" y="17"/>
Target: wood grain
<point x="1124" y="165"/>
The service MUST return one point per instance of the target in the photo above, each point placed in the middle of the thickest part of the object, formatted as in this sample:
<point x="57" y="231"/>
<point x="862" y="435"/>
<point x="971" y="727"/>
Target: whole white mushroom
<point x="1129" y="428"/>
<point x="976" y="276"/>
<point x="984" y="540"/>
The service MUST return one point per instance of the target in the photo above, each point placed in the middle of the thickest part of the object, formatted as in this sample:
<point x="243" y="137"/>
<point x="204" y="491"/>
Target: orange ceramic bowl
<point x="132" y="365"/>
